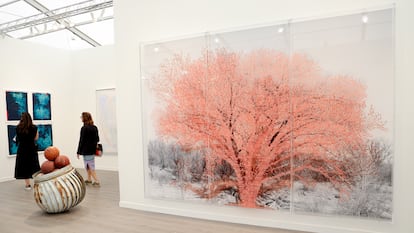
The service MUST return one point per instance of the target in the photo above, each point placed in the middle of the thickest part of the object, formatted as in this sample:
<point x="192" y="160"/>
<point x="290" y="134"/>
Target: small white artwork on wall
<point x="106" y="119"/>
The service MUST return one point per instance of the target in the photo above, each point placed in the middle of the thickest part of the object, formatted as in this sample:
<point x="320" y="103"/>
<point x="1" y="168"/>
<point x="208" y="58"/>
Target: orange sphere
<point x="47" y="167"/>
<point x="51" y="153"/>
<point x="62" y="161"/>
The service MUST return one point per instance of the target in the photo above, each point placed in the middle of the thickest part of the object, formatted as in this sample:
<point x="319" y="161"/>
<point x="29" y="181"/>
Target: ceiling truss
<point x="60" y="17"/>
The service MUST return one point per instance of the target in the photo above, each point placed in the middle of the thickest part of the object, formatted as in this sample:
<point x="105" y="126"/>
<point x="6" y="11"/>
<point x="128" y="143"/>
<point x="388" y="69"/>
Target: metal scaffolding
<point x="60" y="16"/>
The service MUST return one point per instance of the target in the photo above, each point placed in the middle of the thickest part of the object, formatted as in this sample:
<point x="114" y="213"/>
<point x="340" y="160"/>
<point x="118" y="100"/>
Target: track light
<point x="364" y="19"/>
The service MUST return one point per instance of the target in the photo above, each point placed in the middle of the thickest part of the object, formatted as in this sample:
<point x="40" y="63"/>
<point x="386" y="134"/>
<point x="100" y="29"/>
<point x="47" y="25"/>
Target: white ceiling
<point x="84" y="24"/>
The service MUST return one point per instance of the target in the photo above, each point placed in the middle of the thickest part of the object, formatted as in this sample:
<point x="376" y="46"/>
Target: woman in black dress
<point x="27" y="159"/>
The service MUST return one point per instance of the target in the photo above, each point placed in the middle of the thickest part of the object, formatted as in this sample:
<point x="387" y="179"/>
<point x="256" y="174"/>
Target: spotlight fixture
<point x="281" y="29"/>
<point x="365" y="19"/>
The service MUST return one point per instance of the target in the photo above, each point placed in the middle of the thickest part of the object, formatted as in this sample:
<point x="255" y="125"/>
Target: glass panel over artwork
<point x="293" y="116"/>
<point x="173" y="102"/>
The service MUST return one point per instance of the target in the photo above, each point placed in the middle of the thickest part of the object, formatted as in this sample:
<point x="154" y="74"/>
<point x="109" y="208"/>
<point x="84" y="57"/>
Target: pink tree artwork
<point x="269" y="118"/>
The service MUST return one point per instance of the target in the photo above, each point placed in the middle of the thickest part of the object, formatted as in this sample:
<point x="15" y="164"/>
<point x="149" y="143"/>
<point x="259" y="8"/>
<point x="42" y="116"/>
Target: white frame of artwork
<point x="156" y="45"/>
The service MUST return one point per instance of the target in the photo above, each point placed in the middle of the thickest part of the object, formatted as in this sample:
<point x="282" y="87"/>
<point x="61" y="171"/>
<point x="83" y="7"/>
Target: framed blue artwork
<point x="45" y="136"/>
<point x="41" y="106"/>
<point x="11" y="132"/>
<point x="16" y="104"/>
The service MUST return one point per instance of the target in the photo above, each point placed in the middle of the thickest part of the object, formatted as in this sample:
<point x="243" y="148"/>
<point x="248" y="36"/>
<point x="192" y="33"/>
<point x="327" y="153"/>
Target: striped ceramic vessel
<point x="59" y="190"/>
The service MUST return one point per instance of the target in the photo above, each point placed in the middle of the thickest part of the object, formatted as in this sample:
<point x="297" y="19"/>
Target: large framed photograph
<point x="296" y="116"/>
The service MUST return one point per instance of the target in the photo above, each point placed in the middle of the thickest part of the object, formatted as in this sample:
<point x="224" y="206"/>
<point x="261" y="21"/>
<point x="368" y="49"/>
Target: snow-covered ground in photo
<point x="163" y="186"/>
<point x="371" y="200"/>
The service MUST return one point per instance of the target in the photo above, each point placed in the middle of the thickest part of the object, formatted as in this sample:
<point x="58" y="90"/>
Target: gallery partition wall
<point x="294" y="116"/>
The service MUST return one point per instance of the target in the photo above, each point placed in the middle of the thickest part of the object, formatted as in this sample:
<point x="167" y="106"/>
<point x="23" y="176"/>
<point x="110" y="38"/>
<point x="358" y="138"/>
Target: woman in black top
<point x="88" y="140"/>
<point x="27" y="159"/>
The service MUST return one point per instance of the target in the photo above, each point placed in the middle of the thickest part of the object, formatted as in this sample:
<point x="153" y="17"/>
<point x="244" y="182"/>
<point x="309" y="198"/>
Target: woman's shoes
<point x="28" y="187"/>
<point x="96" y="183"/>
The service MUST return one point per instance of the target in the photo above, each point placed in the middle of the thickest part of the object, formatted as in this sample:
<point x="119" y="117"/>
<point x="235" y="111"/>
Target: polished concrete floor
<point x="99" y="212"/>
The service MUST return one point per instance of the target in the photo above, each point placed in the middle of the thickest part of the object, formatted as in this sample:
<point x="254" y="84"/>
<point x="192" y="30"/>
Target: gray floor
<point x="99" y="212"/>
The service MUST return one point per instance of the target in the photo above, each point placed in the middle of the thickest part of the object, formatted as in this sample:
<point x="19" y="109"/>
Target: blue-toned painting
<point x="45" y="136"/>
<point x="11" y="132"/>
<point x="16" y="104"/>
<point x="41" y="106"/>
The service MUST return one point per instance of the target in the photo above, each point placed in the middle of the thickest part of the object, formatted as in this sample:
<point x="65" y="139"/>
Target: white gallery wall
<point x="29" y="67"/>
<point x="93" y="69"/>
<point x="146" y="21"/>
<point x="71" y="77"/>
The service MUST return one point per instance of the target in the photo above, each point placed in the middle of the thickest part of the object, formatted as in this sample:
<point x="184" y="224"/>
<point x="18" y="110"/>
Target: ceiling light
<point x="156" y="49"/>
<point x="217" y="40"/>
<point x="365" y="19"/>
<point x="281" y="29"/>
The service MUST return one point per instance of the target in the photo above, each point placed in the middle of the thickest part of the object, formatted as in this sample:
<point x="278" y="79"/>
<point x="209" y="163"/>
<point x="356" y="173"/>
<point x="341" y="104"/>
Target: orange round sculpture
<point x="62" y="161"/>
<point x="51" y="153"/>
<point x="47" y="167"/>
